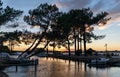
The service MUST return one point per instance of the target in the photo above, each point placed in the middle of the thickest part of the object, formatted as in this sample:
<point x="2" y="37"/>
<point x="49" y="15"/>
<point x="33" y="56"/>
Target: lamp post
<point x="106" y="49"/>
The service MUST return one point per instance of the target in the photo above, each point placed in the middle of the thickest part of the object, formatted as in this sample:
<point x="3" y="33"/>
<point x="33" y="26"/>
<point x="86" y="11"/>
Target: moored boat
<point x="99" y="61"/>
<point x="7" y="60"/>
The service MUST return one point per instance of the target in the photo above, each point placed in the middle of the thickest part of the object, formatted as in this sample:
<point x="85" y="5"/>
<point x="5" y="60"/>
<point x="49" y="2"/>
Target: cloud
<point x="110" y="6"/>
<point x="24" y="5"/>
<point x="119" y="24"/>
<point x="72" y="4"/>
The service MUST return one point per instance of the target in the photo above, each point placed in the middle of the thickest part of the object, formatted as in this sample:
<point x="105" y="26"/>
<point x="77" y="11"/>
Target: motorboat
<point x="4" y="55"/>
<point x="7" y="59"/>
<point x="4" y="58"/>
<point x="100" y="61"/>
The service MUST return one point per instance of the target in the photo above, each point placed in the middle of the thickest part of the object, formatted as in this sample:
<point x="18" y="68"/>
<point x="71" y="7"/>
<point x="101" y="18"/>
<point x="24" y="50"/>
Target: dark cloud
<point x="24" y="5"/>
<point x="98" y="5"/>
<point x="73" y="4"/>
<point x="95" y="5"/>
<point x="115" y="9"/>
<point x="110" y="6"/>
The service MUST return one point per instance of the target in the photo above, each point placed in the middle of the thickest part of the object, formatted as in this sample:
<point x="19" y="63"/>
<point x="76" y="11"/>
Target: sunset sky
<point x="111" y="30"/>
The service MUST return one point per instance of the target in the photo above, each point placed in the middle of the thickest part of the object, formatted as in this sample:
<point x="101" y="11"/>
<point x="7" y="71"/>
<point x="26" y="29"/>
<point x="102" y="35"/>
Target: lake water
<point x="49" y="67"/>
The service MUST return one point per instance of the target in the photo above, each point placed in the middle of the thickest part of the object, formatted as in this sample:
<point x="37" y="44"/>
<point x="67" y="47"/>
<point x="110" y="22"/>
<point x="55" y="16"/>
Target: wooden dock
<point x="15" y="62"/>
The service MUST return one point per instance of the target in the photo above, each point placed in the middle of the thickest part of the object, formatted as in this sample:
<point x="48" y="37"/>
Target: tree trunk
<point x="78" y="40"/>
<point x="75" y="41"/>
<point x="47" y="48"/>
<point x="47" y="44"/>
<point x="35" y="46"/>
<point x="84" y="42"/>
<point x="33" y="53"/>
<point x="32" y="50"/>
<point x="75" y="44"/>
<point x="80" y="44"/>
<point x="28" y="48"/>
<point x="69" y="47"/>
<point x="27" y="51"/>
<point x="11" y="46"/>
<point x="1" y="46"/>
<point x="54" y="47"/>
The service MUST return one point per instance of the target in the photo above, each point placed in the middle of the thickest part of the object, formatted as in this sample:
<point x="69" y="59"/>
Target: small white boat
<point x="100" y="61"/>
<point x="4" y="57"/>
<point x="115" y="57"/>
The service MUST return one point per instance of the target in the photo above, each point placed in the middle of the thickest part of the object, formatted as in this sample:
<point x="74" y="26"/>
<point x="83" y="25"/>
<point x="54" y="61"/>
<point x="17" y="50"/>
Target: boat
<point x="7" y="60"/>
<point x="4" y="58"/>
<point x="115" y="57"/>
<point x="4" y="55"/>
<point x="99" y="61"/>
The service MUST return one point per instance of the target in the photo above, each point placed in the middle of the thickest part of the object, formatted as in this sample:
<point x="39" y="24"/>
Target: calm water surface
<point x="49" y="67"/>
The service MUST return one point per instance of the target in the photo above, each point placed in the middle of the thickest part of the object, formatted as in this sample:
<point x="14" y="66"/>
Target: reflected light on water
<point x="51" y="67"/>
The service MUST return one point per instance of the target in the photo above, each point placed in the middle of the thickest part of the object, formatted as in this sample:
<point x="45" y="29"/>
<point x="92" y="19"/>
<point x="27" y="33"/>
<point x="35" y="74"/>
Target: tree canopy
<point x="8" y="14"/>
<point x="58" y="28"/>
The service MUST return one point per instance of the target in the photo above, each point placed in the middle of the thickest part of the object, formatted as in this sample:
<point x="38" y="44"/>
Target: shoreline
<point x="86" y="59"/>
<point x="73" y="57"/>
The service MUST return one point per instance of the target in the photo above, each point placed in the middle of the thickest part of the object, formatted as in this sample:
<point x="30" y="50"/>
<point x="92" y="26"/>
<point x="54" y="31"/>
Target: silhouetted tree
<point x="7" y="14"/>
<point x="77" y="23"/>
<point x="44" y="16"/>
<point x="13" y="38"/>
<point x="84" y="19"/>
<point x="64" y="25"/>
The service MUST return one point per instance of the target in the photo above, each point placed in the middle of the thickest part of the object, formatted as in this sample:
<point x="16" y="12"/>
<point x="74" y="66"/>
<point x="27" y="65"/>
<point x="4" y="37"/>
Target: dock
<point x="16" y="62"/>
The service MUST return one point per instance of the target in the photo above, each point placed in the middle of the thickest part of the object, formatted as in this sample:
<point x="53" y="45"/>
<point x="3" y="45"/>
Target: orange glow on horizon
<point x="98" y="47"/>
<point x="113" y="48"/>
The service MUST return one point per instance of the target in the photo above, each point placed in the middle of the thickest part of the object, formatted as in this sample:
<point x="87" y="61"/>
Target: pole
<point x="106" y="49"/>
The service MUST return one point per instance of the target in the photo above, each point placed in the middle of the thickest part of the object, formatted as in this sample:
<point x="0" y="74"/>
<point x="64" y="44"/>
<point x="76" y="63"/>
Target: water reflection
<point x="49" y="67"/>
